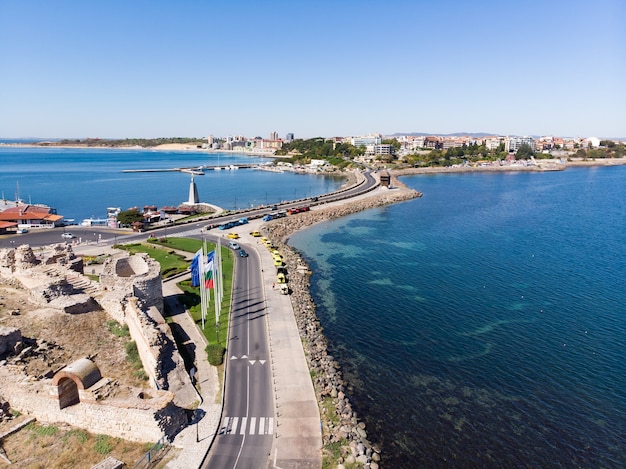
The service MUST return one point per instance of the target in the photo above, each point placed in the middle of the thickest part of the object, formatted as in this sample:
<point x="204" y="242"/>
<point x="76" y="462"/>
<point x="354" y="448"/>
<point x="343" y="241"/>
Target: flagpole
<point x="201" y="278"/>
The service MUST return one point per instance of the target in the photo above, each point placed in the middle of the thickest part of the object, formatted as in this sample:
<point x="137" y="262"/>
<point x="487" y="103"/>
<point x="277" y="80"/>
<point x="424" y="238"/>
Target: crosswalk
<point x="247" y="426"/>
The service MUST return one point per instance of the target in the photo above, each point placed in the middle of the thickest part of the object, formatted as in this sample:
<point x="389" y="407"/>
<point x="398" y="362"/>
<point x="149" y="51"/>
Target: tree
<point x="130" y="216"/>
<point x="524" y="152"/>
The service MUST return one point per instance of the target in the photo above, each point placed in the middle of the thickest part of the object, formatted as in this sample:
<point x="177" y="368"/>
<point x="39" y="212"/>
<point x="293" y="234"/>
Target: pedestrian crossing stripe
<point x="245" y="425"/>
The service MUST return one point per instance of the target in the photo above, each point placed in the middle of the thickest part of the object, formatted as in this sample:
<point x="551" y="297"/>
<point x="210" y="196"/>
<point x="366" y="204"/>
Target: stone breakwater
<point x="340" y="422"/>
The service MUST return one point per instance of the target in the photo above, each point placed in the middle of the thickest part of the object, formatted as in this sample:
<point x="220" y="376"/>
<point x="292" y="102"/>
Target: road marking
<point x="252" y="362"/>
<point x="233" y="358"/>
<point x="242" y="425"/>
<point x="235" y="421"/>
<point x="252" y="425"/>
<point x="262" y="362"/>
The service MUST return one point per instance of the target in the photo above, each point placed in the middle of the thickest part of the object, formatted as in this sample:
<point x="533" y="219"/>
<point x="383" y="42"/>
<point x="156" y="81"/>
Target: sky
<point x="153" y="68"/>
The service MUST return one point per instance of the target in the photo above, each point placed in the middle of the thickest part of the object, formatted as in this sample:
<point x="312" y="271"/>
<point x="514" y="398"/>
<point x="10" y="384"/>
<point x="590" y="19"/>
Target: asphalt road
<point x="245" y="436"/>
<point x="96" y="235"/>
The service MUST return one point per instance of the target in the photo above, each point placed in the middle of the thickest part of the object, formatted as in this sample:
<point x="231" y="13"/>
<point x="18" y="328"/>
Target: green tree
<point x="130" y="216"/>
<point x="607" y="143"/>
<point x="524" y="152"/>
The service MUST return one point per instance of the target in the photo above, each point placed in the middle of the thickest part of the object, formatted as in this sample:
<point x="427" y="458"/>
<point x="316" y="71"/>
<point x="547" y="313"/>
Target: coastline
<point x="165" y="147"/>
<point x="540" y="166"/>
<point x="343" y="426"/>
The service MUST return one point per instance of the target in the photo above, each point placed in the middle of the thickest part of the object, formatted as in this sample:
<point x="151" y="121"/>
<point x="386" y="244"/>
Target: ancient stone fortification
<point x="133" y="418"/>
<point x="130" y="291"/>
<point x="135" y="297"/>
<point x="328" y="379"/>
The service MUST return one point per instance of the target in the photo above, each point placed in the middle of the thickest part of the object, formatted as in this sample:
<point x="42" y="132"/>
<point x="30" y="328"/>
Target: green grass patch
<point x="43" y="430"/>
<point x="117" y="329"/>
<point x="132" y="355"/>
<point x="162" y="249"/>
<point x="329" y="410"/>
<point x="171" y="263"/>
<point x="332" y="452"/>
<point x="104" y="445"/>
<point x="77" y="434"/>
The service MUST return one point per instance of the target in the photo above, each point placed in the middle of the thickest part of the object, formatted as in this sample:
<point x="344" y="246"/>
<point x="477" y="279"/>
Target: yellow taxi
<point x="232" y="236"/>
<point x="256" y="234"/>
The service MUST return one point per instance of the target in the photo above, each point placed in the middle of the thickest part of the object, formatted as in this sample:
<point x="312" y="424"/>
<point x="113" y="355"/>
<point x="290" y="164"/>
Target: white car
<point x="233" y="245"/>
<point x="68" y="236"/>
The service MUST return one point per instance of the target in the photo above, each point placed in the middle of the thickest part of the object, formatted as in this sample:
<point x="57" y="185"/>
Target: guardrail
<point x="152" y="454"/>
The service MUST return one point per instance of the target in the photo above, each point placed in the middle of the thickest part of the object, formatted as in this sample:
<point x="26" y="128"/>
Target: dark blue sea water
<point x="484" y="324"/>
<point x="81" y="183"/>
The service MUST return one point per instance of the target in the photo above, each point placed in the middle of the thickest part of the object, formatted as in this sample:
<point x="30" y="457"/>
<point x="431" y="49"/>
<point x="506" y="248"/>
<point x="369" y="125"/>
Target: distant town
<point x="407" y="150"/>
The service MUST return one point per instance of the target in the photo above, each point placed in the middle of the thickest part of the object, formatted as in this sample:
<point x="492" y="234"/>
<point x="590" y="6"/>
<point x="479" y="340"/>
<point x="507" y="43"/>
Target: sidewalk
<point x="196" y="438"/>
<point x="298" y="433"/>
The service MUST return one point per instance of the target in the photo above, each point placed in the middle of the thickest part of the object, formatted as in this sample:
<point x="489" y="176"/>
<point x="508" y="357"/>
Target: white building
<point x="512" y="144"/>
<point x="365" y="141"/>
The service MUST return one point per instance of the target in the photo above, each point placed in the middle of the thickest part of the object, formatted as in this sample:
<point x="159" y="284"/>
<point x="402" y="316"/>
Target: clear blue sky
<point x="139" y="68"/>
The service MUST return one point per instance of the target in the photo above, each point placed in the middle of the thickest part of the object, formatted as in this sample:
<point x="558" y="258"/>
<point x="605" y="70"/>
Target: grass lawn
<point x="164" y="250"/>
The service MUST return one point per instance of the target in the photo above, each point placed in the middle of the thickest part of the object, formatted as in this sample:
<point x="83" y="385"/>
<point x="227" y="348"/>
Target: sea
<point x="81" y="183"/>
<point x="483" y="325"/>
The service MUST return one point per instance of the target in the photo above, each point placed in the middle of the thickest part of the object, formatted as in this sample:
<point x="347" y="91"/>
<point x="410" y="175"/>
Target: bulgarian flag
<point x="209" y="270"/>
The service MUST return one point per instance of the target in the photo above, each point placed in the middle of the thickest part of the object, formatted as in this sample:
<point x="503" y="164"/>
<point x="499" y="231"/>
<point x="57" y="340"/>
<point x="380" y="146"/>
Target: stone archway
<point x="76" y="377"/>
<point x="68" y="393"/>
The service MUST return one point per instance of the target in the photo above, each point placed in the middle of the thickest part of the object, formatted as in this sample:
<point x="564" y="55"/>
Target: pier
<point x="196" y="170"/>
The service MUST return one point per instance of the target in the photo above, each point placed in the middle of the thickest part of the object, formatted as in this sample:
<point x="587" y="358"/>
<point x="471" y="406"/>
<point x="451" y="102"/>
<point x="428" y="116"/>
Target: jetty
<point x="196" y="170"/>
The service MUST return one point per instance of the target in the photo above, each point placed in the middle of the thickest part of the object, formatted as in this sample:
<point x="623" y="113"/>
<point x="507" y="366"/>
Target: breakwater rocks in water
<point x="339" y="422"/>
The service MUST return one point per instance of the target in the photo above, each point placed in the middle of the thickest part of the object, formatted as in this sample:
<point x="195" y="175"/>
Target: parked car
<point x="256" y="234"/>
<point x="22" y="231"/>
<point x="233" y="245"/>
<point x="243" y="253"/>
<point x="68" y="236"/>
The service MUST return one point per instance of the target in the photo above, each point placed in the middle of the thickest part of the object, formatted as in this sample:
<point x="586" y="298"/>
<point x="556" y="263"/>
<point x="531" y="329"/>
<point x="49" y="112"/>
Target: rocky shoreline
<point x="340" y="422"/>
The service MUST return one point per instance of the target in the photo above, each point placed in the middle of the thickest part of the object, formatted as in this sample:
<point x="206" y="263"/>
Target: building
<point x="289" y="137"/>
<point x="434" y="143"/>
<point x="383" y="149"/>
<point x="512" y="144"/>
<point x="31" y="216"/>
<point x="365" y="141"/>
<point x="274" y="136"/>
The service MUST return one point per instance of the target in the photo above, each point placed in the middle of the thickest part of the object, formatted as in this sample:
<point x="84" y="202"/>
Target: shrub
<point x="215" y="354"/>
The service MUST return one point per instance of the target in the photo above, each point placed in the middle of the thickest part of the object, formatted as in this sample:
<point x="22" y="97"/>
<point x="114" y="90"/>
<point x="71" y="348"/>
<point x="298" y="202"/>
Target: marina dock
<point x="197" y="170"/>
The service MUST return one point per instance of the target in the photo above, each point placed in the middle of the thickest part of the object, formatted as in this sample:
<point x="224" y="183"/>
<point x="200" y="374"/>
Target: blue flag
<point x="195" y="269"/>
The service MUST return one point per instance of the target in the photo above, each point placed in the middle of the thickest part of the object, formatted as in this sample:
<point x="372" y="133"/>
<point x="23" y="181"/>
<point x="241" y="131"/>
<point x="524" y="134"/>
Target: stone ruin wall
<point x="138" y="275"/>
<point x="136" y="299"/>
<point x="133" y="419"/>
<point x="132" y="295"/>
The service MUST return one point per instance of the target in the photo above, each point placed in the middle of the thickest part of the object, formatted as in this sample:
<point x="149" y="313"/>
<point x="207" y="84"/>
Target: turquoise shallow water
<point x="484" y="324"/>
<point x="81" y="183"/>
